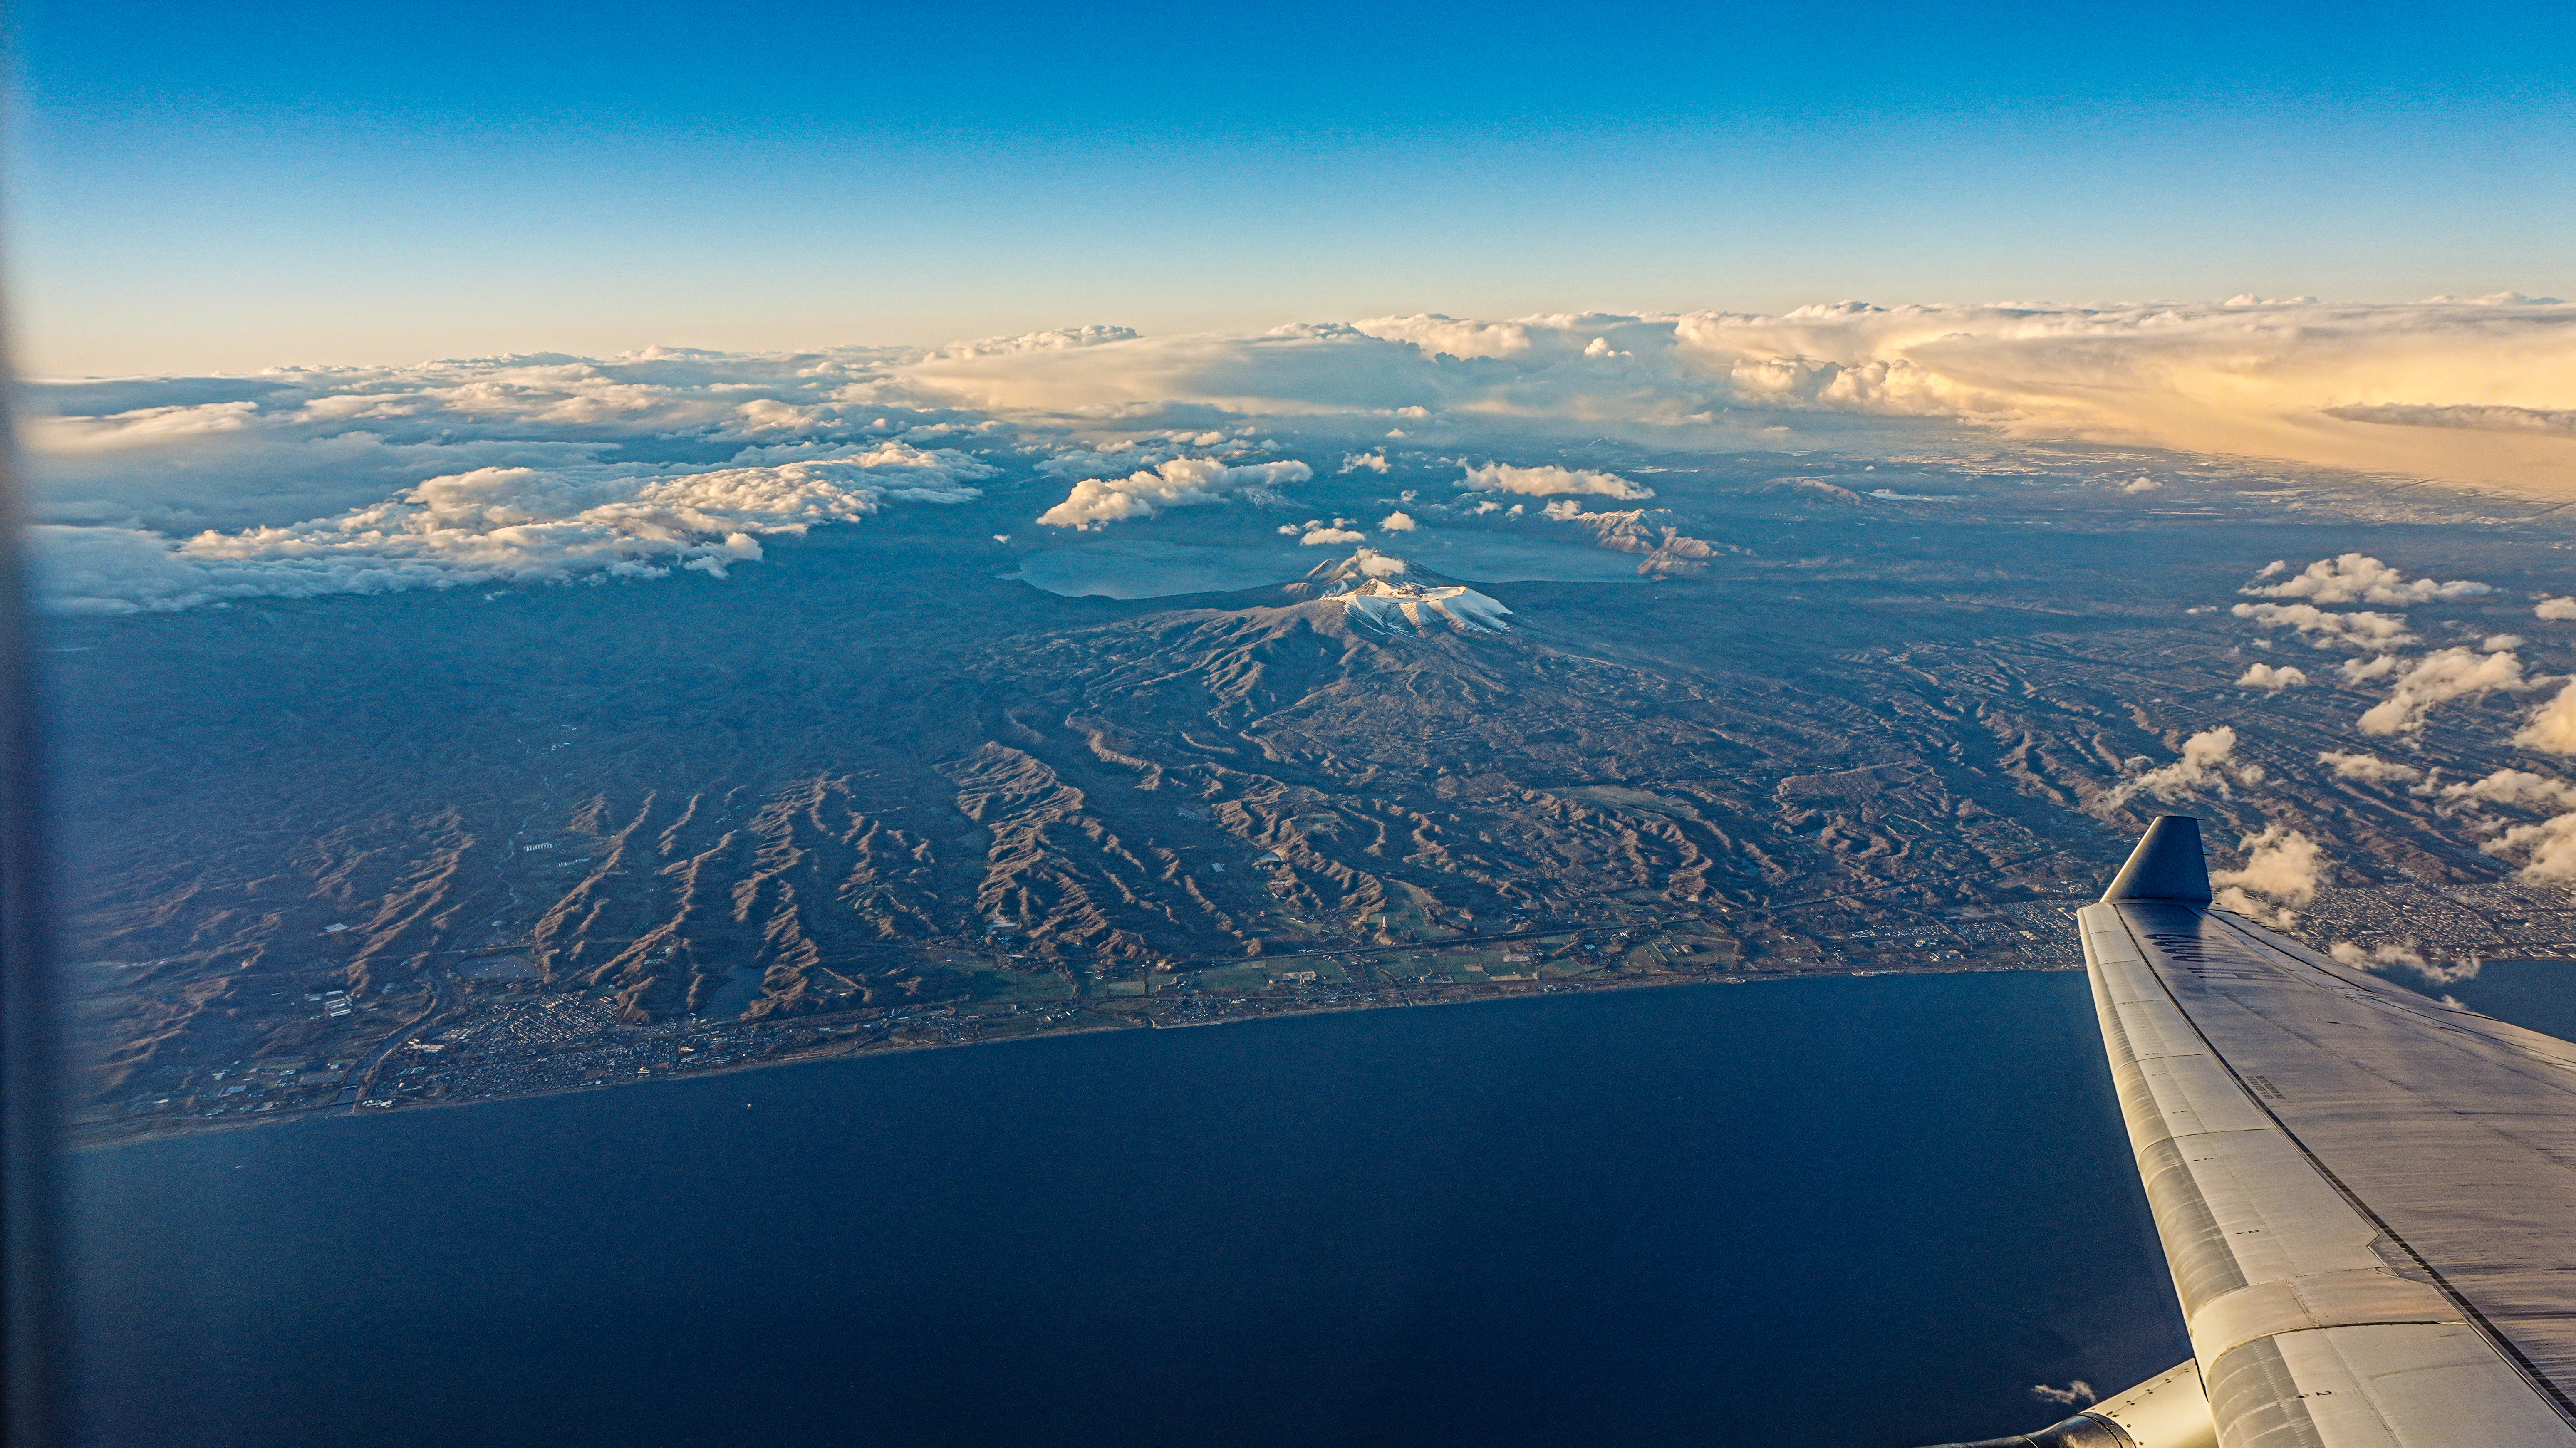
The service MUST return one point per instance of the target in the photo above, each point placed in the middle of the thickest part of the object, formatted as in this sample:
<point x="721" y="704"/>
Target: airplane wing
<point x="2367" y="1197"/>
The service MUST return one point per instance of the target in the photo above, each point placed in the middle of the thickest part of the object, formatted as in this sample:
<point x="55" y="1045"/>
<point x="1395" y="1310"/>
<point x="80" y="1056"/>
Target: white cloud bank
<point x="1180" y="483"/>
<point x="2465" y="390"/>
<point x="496" y="525"/>
<point x="2359" y="578"/>
<point x="1545" y="481"/>
<point x="2442" y="389"/>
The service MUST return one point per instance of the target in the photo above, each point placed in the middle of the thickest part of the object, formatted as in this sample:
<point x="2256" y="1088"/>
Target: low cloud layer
<point x="496" y="525"/>
<point x="1132" y="424"/>
<point x="2448" y="389"/>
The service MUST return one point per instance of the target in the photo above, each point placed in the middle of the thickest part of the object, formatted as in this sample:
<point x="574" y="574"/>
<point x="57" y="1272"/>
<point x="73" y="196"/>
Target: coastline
<point x="1102" y="1015"/>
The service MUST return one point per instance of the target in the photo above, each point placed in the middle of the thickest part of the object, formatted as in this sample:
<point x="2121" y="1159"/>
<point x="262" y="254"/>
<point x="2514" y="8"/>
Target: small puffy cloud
<point x="1375" y="462"/>
<point x="2552" y="728"/>
<point x="2376" y="666"/>
<point x="2076" y="1394"/>
<point x="1549" y="480"/>
<point x="2140" y="485"/>
<point x="2208" y="761"/>
<point x="2359" y="578"/>
<point x="2281" y="866"/>
<point x="2517" y="787"/>
<point x="2264" y="676"/>
<point x="2556" y="608"/>
<point x="2498" y="643"/>
<point x="2351" y="954"/>
<point x="1179" y="483"/>
<point x="1397" y="523"/>
<point x="1379" y="565"/>
<point x="2373" y="631"/>
<point x="2369" y="767"/>
<point x="2405" y="957"/>
<point x="2438" y="678"/>
<point x="1321" y="536"/>
<point x="1562" y="510"/>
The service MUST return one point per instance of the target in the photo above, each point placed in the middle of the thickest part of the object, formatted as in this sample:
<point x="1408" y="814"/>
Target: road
<point x="364" y="1076"/>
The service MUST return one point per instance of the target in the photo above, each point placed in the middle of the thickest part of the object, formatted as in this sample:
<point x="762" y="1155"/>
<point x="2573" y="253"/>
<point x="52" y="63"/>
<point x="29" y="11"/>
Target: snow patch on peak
<point x="1411" y="607"/>
<point x="1375" y="591"/>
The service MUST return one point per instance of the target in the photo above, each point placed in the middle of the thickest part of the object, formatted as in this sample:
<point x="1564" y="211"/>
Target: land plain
<point x="884" y="791"/>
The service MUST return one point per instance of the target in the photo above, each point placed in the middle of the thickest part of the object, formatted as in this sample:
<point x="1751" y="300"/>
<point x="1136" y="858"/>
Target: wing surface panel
<point x="2366" y="1197"/>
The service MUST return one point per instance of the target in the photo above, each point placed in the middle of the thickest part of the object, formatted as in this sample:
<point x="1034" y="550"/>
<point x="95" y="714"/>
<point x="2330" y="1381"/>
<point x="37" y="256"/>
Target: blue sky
<point x="236" y="185"/>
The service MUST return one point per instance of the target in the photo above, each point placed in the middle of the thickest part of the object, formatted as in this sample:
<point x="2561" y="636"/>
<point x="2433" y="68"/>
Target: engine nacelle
<point x="2169" y="1410"/>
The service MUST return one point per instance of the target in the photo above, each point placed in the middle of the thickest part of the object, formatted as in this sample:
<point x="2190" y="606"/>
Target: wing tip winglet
<point x="2166" y="865"/>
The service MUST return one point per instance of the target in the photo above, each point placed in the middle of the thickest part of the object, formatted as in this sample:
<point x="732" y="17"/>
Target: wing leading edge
<point x="2367" y="1198"/>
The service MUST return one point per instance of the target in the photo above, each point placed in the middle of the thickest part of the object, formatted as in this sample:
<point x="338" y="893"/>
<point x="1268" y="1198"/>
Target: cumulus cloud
<point x="1563" y="510"/>
<point x="2076" y="1394"/>
<point x="2359" y="578"/>
<point x="2373" y="631"/>
<point x="2208" y="761"/>
<point x="2369" y="767"/>
<point x="2264" y="676"/>
<point x="2549" y="848"/>
<point x="1180" y="483"/>
<point x="1375" y="462"/>
<point x="2556" y="608"/>
<point x="2140" y="485"/>
<point x="1397" y="523"/>
<point x="1544" y="481"/>
<point x="2436" y="679"/>
<point x="2515" y="786"/>
<point x="2352" y="954"/>
<point x="515" y="525"/>
<point x="2282" y="866"/>
<point x="2552" y="727"/>
<point x="2407" y="957"/>
<point x="1321" y="536"/>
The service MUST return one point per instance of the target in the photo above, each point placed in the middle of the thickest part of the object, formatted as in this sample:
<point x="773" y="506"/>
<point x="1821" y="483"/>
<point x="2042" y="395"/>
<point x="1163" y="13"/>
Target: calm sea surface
<point x="1825" y="1212"/>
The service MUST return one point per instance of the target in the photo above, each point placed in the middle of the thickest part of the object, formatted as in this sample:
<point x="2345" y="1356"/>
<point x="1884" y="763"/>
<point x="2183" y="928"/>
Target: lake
<point x="1865" y="1212"/>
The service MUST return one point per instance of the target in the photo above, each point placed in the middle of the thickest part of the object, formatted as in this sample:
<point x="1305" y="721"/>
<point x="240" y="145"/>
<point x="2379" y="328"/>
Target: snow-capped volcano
<point x="1376" y="590"/>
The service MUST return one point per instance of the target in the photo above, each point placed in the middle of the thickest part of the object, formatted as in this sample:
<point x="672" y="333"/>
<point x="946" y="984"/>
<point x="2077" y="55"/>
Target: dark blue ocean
<point x="1865" y="1212"/>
